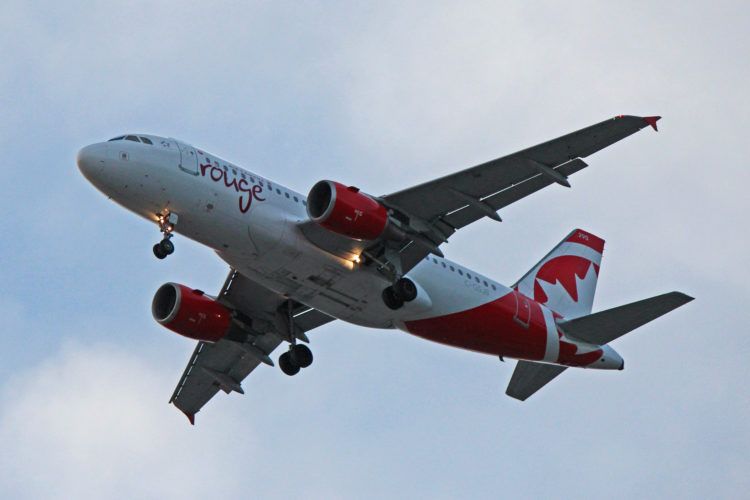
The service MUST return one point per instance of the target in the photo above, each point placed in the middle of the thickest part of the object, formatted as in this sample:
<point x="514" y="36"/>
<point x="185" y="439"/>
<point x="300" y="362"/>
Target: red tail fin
<point x="565" y="279"/>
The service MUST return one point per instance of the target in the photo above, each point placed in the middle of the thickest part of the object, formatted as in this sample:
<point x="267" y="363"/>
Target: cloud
<point x="92" y="421"/>
<point x="381" y="97"/>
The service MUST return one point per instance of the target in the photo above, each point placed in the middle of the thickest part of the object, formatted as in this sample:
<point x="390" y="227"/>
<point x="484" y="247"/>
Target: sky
<point x="383" y="96"/>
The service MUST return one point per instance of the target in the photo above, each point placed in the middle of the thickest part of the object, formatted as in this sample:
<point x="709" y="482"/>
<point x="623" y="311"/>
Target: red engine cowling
<point x="344" y="210"/>
<point x="190" y="313"/>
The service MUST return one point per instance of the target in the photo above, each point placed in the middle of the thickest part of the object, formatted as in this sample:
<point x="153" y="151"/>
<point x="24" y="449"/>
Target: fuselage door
<point x="523" y="309"/>
<point x="188" y="158"/>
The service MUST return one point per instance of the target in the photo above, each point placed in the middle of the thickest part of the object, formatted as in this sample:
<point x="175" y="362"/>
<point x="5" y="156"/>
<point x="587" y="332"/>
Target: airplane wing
<point x="529" y="377"/>
<point x="436" y="209"/>
<point x="260" y="326"/>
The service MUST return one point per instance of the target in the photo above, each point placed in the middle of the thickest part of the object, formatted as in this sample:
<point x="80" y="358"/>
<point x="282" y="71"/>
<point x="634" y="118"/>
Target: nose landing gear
<point x="163" y="248"/>
<point x="166" y="225"/>
<point x="403" y="290"/>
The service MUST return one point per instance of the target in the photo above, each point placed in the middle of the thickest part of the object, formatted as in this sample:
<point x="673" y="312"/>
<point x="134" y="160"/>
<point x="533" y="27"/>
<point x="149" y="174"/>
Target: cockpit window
<point x="131" y="138"/>
<point x="146" y="140"/>
<point x="119" y="138"/>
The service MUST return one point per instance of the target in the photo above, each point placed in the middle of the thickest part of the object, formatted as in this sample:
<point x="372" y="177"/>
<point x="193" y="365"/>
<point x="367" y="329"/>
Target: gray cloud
<point x="382" y="98"/>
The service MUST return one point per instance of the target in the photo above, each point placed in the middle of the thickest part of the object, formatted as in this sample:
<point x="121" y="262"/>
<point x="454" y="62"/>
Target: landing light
<point x="356" y="259"/>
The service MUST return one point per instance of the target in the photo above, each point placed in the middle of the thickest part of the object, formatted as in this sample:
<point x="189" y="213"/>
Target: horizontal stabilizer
<point x="529" y="377"/>
<point x="605" y="326"/>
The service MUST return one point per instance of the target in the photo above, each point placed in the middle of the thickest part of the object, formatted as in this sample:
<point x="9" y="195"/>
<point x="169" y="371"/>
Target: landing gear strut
<point x="403" y="290"/>
<point x="299" y="355"/>
<point x="166" y="225"/>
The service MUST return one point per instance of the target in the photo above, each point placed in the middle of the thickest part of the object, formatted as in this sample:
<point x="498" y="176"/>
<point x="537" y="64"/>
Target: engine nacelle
<point x="190" y="313"/>
<point x="344" y="210"/>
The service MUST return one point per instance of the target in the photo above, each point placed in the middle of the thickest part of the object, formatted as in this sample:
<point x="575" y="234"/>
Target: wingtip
<point x="515" y="396"/>
<point x="190" y="416"/>
<point x="651" y="120"/>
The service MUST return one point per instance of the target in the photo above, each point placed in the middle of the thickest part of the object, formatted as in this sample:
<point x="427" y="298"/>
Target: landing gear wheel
<point x="392" y="301"/>
<point x="301" y="355"/>
<point x="159" y="251"/>
<point x="287" y="365"/>
<point x="405" y="289"/>
<point x="167" y="247"/>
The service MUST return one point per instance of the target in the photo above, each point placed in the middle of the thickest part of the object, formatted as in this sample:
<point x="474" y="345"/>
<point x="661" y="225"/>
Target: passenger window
<point x="117" y="138"/>
<point x="468" y="275"/>
<point x="132" y="138"/>
<point x="286" y="194"/>
<point x="226" y="169"/>
<point x="278" y="191"/>
<point x="296" y="200"/>
<point x="476" y="279"/>
<point x="146" y="140"/>
<point x="485" y="283"/>
<point x="234" y="171"/>
<point x="443" y="263"/>
<point x="243" y="175"/>
<point x="434" y="260"/>
<point x="460" y="272"/>
<point x="452" y="270"/>
<point x="493" y="287"/>
<point x="304" y="202"/>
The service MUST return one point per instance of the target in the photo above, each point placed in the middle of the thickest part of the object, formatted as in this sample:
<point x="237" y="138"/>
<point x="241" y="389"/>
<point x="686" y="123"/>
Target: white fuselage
<point x="252" y="223"/>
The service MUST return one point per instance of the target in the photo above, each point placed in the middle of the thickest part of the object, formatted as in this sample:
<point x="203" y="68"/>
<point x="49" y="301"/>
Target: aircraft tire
<point x="167" y="246"/>
<point x="159" y="251"/>
<point x="391" y="300"/>
<point x="405" y="289"/>
<point x="301" y="355"/>
<point x="287" y="365"/>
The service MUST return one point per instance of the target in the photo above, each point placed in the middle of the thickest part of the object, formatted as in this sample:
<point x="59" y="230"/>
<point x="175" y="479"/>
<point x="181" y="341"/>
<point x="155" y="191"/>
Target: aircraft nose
<point x="91" y="159"/>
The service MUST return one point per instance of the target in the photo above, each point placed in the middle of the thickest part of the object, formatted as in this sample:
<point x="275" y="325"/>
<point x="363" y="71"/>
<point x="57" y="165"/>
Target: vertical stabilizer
<point x="565" y="279"/>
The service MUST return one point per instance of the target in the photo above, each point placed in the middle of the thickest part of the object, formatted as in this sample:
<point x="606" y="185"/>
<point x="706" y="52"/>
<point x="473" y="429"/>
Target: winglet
<point x="651" y="120"/>
<point x="190" y="416"/>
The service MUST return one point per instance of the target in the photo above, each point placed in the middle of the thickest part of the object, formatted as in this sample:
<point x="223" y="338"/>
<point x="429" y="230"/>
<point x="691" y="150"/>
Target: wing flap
<point x="605" y="326"/>
<point x="529" y="377"/>
<point x="199" y="382"/>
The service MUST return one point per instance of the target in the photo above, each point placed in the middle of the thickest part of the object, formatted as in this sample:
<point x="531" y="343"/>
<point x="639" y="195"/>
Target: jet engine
<point x="346" y="211"/>
<point x="190" y="313"/>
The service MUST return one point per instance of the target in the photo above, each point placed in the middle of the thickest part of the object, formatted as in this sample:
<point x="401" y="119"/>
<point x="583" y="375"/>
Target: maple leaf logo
<point x="567" y="285"/>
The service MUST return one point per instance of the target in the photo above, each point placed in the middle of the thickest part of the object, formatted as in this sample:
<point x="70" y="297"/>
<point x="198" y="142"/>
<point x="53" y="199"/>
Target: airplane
<point x="298" y="262"/>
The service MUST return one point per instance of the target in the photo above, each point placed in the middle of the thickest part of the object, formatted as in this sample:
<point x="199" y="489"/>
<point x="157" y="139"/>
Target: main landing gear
<point x="403" y="290"/>
<point x="166" y="225"/>
<point x="299" y="355"/>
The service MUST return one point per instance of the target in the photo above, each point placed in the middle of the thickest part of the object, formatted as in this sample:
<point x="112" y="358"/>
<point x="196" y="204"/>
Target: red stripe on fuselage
<point x="499" y="328"/>
<point x="493" y="328"/>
